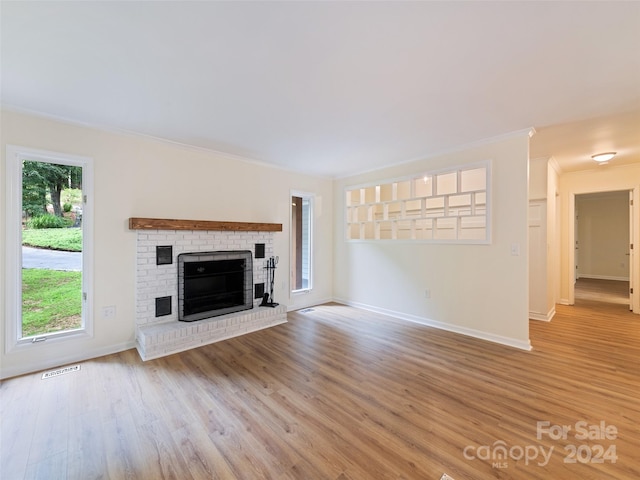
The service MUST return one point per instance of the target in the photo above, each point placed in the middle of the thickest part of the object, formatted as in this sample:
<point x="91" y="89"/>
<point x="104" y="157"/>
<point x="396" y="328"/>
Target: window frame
<point x="311" y="198"/>
<point x="15" y="155"/>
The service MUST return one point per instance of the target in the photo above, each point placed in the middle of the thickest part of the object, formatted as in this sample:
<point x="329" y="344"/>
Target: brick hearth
<point x="164" y="335"/>
<point x="160" y="339"/>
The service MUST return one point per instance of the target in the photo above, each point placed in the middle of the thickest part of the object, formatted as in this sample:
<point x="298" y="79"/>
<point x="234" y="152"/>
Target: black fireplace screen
<point x="214" y="283"/>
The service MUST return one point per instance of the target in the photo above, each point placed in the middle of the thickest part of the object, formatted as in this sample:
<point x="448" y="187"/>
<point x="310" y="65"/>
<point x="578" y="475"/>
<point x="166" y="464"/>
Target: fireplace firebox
<point x="214" y="283"/>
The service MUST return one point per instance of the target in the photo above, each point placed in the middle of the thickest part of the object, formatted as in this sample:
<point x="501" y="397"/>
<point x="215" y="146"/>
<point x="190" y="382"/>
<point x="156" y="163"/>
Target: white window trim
<point x="13" y="308"/>
<point x="312" y="196"/>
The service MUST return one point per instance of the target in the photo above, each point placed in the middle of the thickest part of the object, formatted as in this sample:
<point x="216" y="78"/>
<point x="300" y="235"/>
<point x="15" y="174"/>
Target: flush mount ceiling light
<point x="603" y="157"/>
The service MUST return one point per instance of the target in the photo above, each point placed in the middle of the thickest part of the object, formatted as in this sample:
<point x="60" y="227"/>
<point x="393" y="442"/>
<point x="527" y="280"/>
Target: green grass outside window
<point x="51" y="301"/>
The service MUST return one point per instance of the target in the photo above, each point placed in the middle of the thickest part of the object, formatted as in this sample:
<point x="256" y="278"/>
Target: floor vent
<point x="60" y="371"/>
<point x="446" y="477"/>
<point x="307" y="310"/>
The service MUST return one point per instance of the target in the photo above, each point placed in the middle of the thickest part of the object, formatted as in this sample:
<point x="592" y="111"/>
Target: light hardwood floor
<point x="607" y="291"/>
<point x="338" y="393"/>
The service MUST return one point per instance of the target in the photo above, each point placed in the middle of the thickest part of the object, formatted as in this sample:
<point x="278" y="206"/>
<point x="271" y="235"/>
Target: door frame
<point x="634" y="233"/>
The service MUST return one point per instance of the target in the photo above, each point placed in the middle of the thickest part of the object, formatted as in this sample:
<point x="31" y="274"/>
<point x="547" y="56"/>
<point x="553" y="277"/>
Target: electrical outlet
<point x="427" y="293"/>
<point x="446" y="477"/>
<point x="109" y="312"/>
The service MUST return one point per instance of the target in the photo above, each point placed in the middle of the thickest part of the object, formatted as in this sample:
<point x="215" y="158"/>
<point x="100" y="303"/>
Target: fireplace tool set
<point x="267" y="299"/>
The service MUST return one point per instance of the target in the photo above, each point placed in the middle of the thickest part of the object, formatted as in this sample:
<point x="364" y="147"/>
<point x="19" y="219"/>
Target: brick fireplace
<point x="158" y="244"/>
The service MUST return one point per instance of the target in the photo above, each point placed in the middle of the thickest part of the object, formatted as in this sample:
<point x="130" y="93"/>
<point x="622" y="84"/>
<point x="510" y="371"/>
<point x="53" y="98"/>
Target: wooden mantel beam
<point x="136" y="223"/>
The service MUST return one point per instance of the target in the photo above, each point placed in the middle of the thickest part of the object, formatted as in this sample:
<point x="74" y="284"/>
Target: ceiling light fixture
<point x="603" y="157"/>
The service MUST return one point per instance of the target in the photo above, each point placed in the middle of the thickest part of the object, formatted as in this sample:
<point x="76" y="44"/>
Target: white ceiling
<point x="335" y="88"/>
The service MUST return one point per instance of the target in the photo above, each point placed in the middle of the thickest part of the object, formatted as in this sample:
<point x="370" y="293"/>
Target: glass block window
<point x="447" y="206"/>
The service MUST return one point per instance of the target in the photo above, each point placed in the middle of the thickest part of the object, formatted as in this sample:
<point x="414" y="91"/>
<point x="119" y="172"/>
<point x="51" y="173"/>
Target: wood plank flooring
<point x="609" y="291"/>
<point x="339" y="393"/>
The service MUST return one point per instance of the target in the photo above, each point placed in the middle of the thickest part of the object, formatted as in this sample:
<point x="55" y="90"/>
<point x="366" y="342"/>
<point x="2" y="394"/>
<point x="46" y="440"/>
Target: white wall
<point x="480" y="290"/>
<point x="603" y="235"/>
<point x="143" y="177"/>
<point x="538" y="178"/>
<point x="553" y="236"/>
<point x="600" y="179"/>
<point x="544" y="267"/>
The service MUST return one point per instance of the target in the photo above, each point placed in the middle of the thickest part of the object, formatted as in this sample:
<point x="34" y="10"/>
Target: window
<point x="301" y="229"/>
<point x="447" y="206"/>
<point x="48" y="291"/>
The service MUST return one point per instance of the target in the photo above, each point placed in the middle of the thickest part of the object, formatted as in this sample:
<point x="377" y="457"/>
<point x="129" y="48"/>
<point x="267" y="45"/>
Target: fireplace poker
<point x="267" y="299"/>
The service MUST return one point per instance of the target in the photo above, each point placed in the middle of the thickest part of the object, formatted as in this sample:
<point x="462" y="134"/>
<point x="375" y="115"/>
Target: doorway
<point x="602" y="258"/>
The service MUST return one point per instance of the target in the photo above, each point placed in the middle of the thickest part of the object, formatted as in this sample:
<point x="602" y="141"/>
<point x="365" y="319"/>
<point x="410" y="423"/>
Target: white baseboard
<point x="604" y="277"/>
<point x="541" y="316"/>
<point x="470" y="332"/>
<point x="46" y="364"/>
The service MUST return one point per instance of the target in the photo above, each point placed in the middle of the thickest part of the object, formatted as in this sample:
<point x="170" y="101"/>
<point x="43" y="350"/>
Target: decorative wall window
<point x="448" y="206"/>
